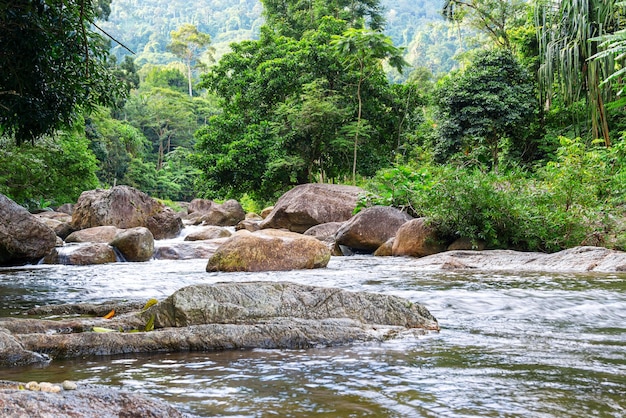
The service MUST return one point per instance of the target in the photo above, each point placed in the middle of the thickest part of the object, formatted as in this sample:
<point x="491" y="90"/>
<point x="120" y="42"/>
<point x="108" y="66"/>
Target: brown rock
<point x="208" y="232"/>
<point x="229" y="213"/>
<point x="125" y="207"/>
<point x="135" y="244"/>
<point x="371" y="228"/>
<point x="103" y="234"/>
<point x="84" y="402"/>
<point x="23" y="237"/>
<point x="308" y="205"/>
<point x="267" y="251"/>
<point x="416" y="239"/>
<point x="85" y="254"/>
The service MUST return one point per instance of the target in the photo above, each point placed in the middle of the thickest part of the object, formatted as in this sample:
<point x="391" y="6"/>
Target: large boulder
<point x="312" y="204"/>
<point x="23" y="238"/>
<point x="269" y="250"/>
<point x="84" y="402"/>
<point x="135" y="244"/>
<point x="371" y="228"/>
<point x="60" y="228"/>
<point x="249" y="302"/>
<point x="416" y="238"/>
<point x="82" y="255"/>
<point x="125" y="207"/>
<point x="226" y="316"/>
<point x="103" y="234"/>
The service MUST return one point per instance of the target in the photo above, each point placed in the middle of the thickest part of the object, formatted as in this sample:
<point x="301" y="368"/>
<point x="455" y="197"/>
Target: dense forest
<point x="499" y="120"/>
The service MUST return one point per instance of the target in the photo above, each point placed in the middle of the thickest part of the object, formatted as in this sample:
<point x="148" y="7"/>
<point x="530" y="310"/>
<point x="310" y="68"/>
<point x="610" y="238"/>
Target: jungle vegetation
<point x="500" y="121"/>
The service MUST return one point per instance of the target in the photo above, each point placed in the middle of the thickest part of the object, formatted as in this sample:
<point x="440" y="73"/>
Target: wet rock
<point x="249" y="302"/>
<point x="269" y="250"/>
<point x="416" y="239"/>
<point x="187" y="250"/>
<point x="371" y="228"/>
<point x="577" y="259"/>
<point x="308" y="205"/>
<point x="208" y="232"/>
<point x="94" y="309"/>
<point x="23" y="237"/>
<point x="86" y="402"/>
<point x="103" y="234"/>
<point x="125" y="207"/>
<point x="84" y="254"/>
<point x="13" y="353"/>
<point x="135" y="244"/>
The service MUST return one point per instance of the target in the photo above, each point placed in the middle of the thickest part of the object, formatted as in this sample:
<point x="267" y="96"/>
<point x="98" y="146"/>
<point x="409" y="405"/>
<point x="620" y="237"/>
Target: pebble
<point x="49" y="387"/>
<point x="69" y="385"/>
<point x="33" y="386"/>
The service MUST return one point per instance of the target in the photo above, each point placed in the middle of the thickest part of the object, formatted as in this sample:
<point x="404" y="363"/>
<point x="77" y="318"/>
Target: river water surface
<point x="511" y="345"/>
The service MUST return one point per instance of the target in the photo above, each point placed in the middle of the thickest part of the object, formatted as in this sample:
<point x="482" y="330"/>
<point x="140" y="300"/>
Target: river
<point x="511" y="345"/>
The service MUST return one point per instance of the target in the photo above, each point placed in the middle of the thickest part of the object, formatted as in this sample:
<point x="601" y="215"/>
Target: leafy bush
<point x="578" y="199"/>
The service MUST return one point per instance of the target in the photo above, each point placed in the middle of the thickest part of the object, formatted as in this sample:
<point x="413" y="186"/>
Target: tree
<point x="293" y="18"/>
<point x="493" y="18"/>
<point x="188" y="44"/>
<point x="486" y="106"/>
<point x="363" y="51"/>
<point x="566" y="50"/>
<point x="52" y="65"/>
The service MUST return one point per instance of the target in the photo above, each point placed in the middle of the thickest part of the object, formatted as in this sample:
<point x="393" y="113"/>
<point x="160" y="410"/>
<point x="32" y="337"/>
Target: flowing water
<point x="511" y="345"/>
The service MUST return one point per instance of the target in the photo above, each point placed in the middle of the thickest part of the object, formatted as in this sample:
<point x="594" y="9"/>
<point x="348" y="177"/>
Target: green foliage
<point x="485" y="110"/>
<point x="52" y="66"/>
<point x="288" y="108"/>
<point x="53" y="171"/>
<point x="576" y="200"/>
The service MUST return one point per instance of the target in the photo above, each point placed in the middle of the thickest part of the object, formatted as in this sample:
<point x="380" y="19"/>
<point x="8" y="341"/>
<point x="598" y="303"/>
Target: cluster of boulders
<point x="306" y="226"/>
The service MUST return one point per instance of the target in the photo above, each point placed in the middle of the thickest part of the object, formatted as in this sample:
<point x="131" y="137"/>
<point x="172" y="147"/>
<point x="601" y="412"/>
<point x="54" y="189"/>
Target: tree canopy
<point x="52" y="65"/>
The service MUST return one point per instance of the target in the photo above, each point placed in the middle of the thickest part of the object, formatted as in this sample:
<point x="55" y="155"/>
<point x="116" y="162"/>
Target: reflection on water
<point x="511" y="345"/>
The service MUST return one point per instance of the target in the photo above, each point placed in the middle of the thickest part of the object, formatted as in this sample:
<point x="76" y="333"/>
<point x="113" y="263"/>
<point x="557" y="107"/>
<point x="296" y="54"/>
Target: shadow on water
<point x="514" y="345"/>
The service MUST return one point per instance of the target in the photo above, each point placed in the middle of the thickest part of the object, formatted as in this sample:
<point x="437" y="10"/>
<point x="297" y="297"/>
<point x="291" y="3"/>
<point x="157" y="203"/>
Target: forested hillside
<point x="145" y="27"/>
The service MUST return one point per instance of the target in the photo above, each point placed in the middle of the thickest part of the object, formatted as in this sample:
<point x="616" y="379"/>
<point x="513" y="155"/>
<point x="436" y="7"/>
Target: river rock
<point x="371" y="228"/>
<point x="227" y="316"/>
<point x="248" y="302"/>
<point x="416" y="239"/>
<point x="229" y="213"/>
<point x="125" y="207"/>
<point x="251" y="225"/>
<point x="86" y="401"/>
<point x="103" y="234"/>
<point x="308" y="205"/>
<point x="59" y="216"/>
<point x="269" y="250"/>
<point x="266" y="211"/>
<point x="135" y="244"/>
<point x="81" y="255"/>
<point x="208" y="232"/>
<point x="385" y="250"/>
<point x="67" y="208"/>
<point x="200" y="205"/>
<point x="23" y="237"/>
<point x="577" y="259"/>
<point x="61" y="229"/>
<point x="13" y="353"/>
<point x="187" y="250"/>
